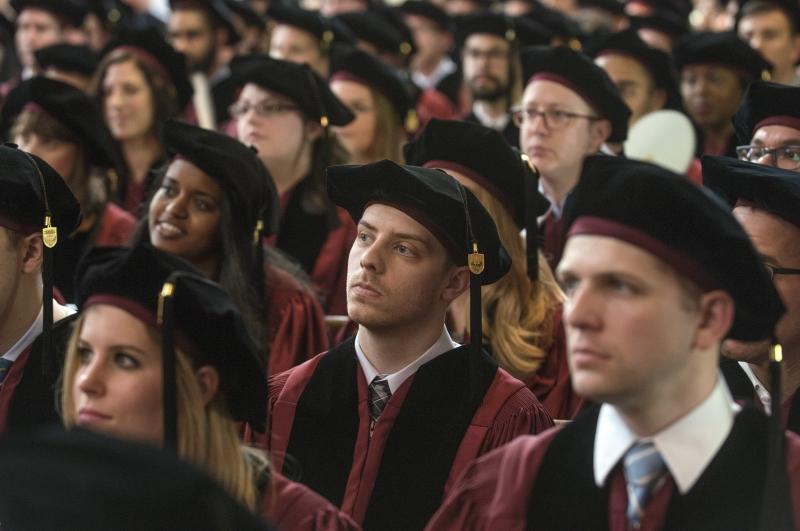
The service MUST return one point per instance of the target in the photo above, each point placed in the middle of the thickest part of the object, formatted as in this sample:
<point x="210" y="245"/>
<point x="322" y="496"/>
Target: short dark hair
<point x="756" y="7"/>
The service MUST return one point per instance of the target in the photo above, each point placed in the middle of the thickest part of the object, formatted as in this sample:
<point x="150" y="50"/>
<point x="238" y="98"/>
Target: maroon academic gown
<point x="551" y="384"/>
<point x="320" y="243"/>
<point x="295" y="507"/>
<point x="455" y="408"/>
<point x="295" y="322"/>
<point x="499" y="490"/>
<point x="27" y="394"/>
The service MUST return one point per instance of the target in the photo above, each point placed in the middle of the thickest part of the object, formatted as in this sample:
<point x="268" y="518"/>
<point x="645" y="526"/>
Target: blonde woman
<point x="116" y="381"/>
<point x="521" y="311"/>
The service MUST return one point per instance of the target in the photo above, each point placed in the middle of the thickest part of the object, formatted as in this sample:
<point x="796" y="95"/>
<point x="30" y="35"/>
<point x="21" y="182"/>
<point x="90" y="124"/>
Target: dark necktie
<point x="379" y="394"/>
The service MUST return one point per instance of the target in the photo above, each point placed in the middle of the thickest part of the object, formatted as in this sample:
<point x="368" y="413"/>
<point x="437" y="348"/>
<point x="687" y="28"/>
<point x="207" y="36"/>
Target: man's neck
<point x="18" y="316"/>
<point x="668" y="401"/>
<point x="140" y="153"/>
<point x="389" y="350"/>
<point x="790" y="376"/>
<point x="717" y="137"/>
<point x="784" y="76"/>
<point x="493" y="109"/>
<point x="556" y="188"/>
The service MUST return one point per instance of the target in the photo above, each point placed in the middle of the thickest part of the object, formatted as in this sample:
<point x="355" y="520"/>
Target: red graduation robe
<point x="497" y="490"/>
<point x="295" y="507"/>
<point x="452" y="410"/>
<point x="295" y="322"/>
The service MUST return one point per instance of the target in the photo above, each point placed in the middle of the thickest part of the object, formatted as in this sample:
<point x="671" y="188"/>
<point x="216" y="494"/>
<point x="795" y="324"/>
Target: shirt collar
<point x="687" y="445"/>
<point x="555" y="207"/>
<point x="30" y="335"/>
<point x="498" y="123"/>
<point x="445" y="67"/>
<point x="443" y="344"/>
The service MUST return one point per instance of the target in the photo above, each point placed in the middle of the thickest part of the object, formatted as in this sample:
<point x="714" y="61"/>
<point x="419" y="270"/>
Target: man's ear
<point x="313" y="130"/>
<point x="716" y="310"/>
<point x="457" y="283"/>
<point x="599" y="131"/>
<point x="208" y="382"/>
<point x="31" y="252"/>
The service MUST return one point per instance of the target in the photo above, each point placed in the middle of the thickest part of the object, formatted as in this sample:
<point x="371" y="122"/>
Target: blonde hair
<point x="207" y="435"/>
<point x="387" y="143"/>
<point x="518" y="320"/>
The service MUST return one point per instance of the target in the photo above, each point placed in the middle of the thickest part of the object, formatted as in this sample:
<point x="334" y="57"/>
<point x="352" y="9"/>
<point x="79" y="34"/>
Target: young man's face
<point x="432" y="41"/>
<point x="290" y="43"/>
<point x="778" y="243"/>
<point x="557" y="151"/>
<point x="36" y="29"/>
<point x="191" y="33"/>
<point x="776" y="136"/>
<point x="398" y="273"/>
<point x="634" y="82"/>
<point x="770" y="33"/>
<point x="485" y="61"/>
<point x="630" y="323"/>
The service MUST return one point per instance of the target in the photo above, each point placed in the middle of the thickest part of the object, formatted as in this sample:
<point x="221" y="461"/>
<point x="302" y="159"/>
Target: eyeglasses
<point x="553" y="119"/>
<point x="784" y="157"/>
<point x="263" y="109"/>
<point x="781" y="270"/>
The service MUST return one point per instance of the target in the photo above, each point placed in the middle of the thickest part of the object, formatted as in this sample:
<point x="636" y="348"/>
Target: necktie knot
<point x="645" y="472"/>
<point x="379" y="394"/>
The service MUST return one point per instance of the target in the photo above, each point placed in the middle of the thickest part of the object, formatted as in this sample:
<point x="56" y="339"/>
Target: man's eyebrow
<point x="400" y="235"/>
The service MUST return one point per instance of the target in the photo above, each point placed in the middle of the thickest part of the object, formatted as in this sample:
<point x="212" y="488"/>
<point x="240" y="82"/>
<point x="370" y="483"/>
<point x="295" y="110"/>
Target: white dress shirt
<point x="498" y="123"/>
<point x="445" y="67"/>
<point x="761" y="391"/>
<point x="687" y="445"/>
<point x="59" y="312"/>
<point x="444" y="344"/>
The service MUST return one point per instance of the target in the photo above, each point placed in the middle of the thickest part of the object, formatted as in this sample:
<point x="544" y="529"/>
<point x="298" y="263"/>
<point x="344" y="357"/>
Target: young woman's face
<point x="272" y="123"/>
<point x="185" y="214"/>
<point x="358" y="136"/>
<point x="128" y="104"/>
<point x="117" y="387"/>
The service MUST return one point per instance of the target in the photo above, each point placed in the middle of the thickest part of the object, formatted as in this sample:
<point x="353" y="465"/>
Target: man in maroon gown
<point x="30" y="190"/>
<point x="657" y="274"/>
<point x="384" y="422"/>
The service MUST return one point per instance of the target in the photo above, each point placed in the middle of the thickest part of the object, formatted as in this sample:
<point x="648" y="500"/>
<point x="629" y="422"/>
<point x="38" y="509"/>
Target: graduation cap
<point x="238" y="170"/>
<point x="246" y="13"/>
<point x="167" y="293"/>
<point x="578" y="72"/>
<point x="394" y="17"/>
<point x="775" y="191"/>
<point x="664" y="21"/>
<point x="482" y="154"/>
<point x="72" y="108"/>
<point x="562" y="27"/>
<point x="218" y="10"/>
<point x="361" y="67"/>
<point x="427" y="10"/>
<point x="723" y="48"/>
<point x="324" y="29"/>
<point x="80" y="480"/>
<point x="68" y="12"/>
<point x="150" y="47"/>
<point x="375" y="29"/>
<point x="297" y="82"/>
<point x="685" y="226"/>
<point x="67" y="57"/>
<point x="441" y="204"/>
<point x="519" y="31"/>
<point x="35" y="198"/>
<point x="656" y="62"/>
<point x="766" y="104"/>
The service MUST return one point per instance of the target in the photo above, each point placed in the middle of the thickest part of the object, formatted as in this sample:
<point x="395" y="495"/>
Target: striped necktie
<point x="379" y="394"/>
<point x="644" y="473"/>
<point x="5" y="367"/>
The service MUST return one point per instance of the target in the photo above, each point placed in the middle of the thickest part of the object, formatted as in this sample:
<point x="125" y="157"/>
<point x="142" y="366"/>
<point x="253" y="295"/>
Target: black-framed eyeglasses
<point x="784" y="157"/>
<point x="263" y="109"/>
<point x="553" y="118"/>
<point x="773" y="270"/>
